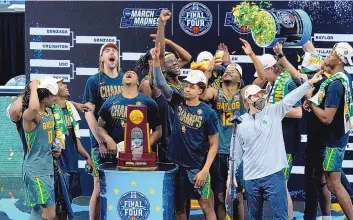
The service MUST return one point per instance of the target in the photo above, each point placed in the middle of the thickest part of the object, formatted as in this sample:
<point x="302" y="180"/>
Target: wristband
<point x="281" y="55"/>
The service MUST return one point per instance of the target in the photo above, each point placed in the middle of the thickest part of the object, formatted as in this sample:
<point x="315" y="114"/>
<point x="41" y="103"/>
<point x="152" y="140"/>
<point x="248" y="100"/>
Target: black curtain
<point x="12" y="46"/>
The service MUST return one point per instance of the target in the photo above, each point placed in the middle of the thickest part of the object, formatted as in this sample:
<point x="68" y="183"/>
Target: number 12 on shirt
<point x="226" y="116"/>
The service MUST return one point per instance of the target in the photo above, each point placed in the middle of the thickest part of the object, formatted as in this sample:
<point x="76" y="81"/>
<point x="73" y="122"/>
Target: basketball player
<point x="227" y="101"/>
<point x="194" y="132"/>
<point x="68" y="159"/>
<point x="99" y="87"/>
<point x="280" y="83"/>
<point x="169" y="62"/>
<point x="14" y="112"/>
<point x="332" y="106"/>
<point x="38" y="124"/>
<point x="112" y="115"/>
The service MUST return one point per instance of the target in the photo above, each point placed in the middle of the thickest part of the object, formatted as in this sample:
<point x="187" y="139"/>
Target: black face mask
<point x="260" y="103"/>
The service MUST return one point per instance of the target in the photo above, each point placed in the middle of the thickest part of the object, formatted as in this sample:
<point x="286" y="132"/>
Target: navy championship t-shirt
<point x="99" y="87"/>
<point x="191" y="127"/>
<point x="114" y="112"/>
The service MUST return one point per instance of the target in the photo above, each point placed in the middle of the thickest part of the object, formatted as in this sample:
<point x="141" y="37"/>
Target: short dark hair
<point x="202" y="86"/>
<point x="43" y="93"/>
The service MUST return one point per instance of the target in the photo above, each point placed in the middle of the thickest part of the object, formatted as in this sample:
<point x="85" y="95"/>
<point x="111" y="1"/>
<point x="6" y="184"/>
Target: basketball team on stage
<point x="191" y="126"/>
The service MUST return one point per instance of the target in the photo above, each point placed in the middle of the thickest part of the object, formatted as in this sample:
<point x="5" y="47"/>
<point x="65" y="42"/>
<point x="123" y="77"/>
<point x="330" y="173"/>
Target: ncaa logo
<point x="133" y="205"/>
<point x="230" y="21"/>
<point x="195" y="19"/>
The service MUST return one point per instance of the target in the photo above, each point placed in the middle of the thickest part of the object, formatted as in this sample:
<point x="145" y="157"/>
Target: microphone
<point x="236" y="119"/>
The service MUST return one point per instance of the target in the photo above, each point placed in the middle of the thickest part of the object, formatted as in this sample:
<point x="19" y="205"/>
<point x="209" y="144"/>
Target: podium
<point x="137" y="195"/>
<point x="137" y="154"/>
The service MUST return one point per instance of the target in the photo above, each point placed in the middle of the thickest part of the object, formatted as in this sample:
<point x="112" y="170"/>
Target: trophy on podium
<point x="137" y="154"/>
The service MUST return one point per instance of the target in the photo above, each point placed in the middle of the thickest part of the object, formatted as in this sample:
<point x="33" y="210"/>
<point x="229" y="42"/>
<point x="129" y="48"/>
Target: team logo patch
<point x="230" y="21"/>
<point x="199" y="111"/>
<point x="138" y="103"/>
<point x="195" y="19"/>
<point x="286" y="19"/>
<point x="140" y="18"/>
<point x="133" y="205"/>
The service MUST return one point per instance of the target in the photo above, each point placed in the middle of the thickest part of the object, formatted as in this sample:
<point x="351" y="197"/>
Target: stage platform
<point x="13" y="209"/>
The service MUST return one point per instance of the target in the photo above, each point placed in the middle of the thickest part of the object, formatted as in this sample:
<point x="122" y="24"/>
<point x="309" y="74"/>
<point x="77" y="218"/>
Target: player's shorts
<point x="219" y="174"/>
<point x="39" y="191"/>
<point x="334" y="155"/>
<point x="288" y="170"/>
<point x="98" y="160"/>
<point x="184" y="187"/>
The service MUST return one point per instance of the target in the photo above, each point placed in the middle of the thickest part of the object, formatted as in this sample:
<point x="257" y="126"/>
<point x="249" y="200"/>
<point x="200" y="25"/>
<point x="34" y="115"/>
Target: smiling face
<point x="63" y="90"/>
<point x="109" y="58"/>
<point x="130" y="78"/>
<point x="171" y="65"/>
<point x="231" y="75"/>
<point x="332" y="60"/>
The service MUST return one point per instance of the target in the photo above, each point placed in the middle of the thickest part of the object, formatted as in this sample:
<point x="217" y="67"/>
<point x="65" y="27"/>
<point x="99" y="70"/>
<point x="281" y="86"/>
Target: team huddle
<point x="191" y="126"/>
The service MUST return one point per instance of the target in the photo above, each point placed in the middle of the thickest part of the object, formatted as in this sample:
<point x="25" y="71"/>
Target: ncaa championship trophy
<point x="137" y="154"/>
<point x="139" y="188"/>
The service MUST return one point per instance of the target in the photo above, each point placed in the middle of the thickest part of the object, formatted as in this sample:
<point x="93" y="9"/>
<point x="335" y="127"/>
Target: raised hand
<point x="247" y="48"/>
<point x="165" y="15"/>
<point x="155" y="52"/>
<point x="278" y="48"/>
<point x="316" y="78"/>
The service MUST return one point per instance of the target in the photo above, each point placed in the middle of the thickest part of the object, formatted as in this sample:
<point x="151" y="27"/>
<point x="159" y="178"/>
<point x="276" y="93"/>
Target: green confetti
<point x="257" y="20"/>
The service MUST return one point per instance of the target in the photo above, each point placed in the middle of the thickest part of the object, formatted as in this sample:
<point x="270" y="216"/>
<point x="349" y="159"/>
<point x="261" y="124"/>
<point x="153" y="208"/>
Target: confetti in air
<point x="340" y="11"/>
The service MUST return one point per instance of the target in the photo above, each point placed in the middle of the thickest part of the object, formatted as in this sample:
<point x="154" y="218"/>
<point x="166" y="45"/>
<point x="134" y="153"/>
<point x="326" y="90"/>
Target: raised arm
<point x="160" y="39"/>
<point x="278" y="49"/>
<point x="15" y="110"/>
<point x="284" y="106"/>
<point x="32" y="113"/>
<point x="158" y="77"/>
<point x="257" y="63"/>
<point x="184" y="56"/>
<point x="309" y="47"/>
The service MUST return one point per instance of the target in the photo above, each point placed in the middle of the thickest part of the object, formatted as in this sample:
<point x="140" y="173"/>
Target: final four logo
<point x="140" y="18"/>
<point x="195" y="19"/>
<point x="230" y="21"/>
<point x="133" y="205"/>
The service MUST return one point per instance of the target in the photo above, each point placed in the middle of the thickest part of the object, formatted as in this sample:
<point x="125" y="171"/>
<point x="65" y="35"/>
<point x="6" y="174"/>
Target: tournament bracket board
<point x="63" y="39"/>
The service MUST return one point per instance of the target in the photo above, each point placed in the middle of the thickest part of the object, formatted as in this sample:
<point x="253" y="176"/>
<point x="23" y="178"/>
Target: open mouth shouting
<point x="111" y="60"/>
